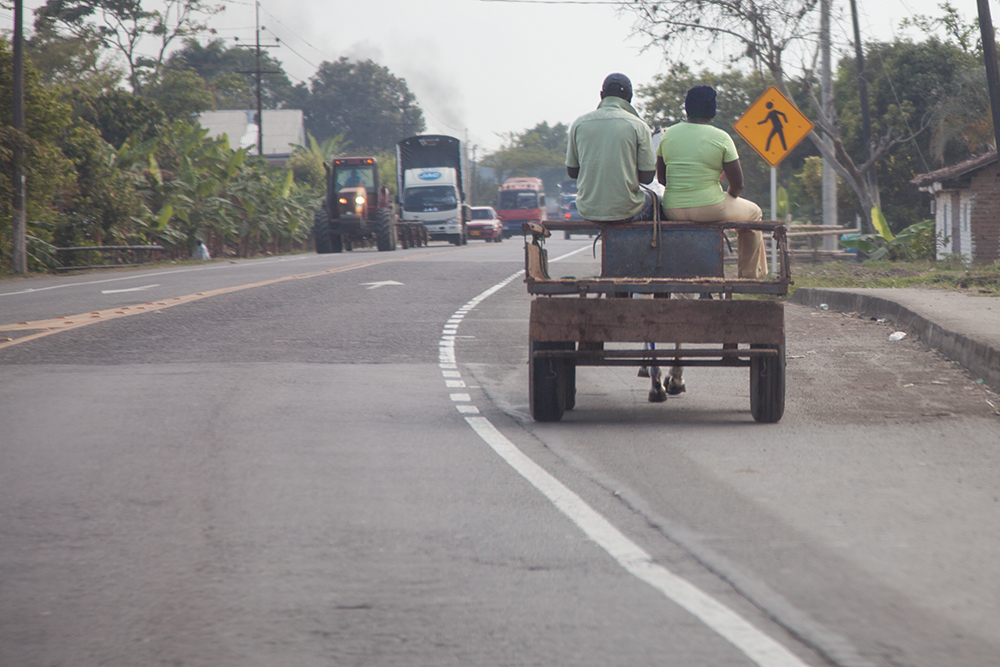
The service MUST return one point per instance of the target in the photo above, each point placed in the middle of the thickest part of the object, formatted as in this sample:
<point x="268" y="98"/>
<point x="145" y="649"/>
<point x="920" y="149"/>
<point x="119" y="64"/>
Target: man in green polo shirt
<point x="610" y="153"/>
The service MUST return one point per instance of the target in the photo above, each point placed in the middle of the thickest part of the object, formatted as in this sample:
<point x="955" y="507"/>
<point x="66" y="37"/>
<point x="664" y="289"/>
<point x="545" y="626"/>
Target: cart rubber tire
<point x="547" y="383"/>
<point x="385" y="230"/>
<point x="569" y="377"/>
<point x="767" y="385"/>
<point x="321" y="231"/>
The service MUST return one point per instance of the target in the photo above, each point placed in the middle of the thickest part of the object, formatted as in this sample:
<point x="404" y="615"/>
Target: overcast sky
<point x="487" y="68"/>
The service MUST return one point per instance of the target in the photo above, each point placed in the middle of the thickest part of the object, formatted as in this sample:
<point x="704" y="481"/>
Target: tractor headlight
<point x="359" y="200"/>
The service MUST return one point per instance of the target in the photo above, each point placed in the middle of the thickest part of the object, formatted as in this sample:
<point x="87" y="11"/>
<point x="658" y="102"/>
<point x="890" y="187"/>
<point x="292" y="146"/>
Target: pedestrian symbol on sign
<point x="773" y="116"/>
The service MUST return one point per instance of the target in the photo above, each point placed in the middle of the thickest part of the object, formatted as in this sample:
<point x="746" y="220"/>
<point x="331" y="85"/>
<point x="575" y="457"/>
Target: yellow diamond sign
<point x="773" y="126"/>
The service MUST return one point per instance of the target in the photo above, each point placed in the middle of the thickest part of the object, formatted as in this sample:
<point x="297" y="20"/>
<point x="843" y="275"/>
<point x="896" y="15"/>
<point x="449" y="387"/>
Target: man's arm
<point x="646" y="177"/>
<point x="734" y="174"/>
<point x="573" y="172"/>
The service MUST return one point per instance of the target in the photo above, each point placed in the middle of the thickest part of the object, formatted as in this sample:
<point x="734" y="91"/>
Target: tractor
<point x="357" y="211"/>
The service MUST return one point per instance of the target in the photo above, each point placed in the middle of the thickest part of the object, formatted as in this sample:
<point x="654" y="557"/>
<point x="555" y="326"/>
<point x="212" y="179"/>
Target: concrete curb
<point x="978" y="357"/>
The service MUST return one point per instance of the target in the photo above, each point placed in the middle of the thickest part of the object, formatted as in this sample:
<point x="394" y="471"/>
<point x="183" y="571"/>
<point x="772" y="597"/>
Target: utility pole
<point x="992" y="70"/>
<point x="866" y="118"/>
<point x="826" y="92"/>
<point x="20" y="222"/>
<point x="259" y="74"/>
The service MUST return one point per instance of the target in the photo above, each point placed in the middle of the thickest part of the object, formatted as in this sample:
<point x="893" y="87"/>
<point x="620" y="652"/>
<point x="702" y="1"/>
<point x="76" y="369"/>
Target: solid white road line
<point x="739" y="632"/>
<point x="755" y="644"/>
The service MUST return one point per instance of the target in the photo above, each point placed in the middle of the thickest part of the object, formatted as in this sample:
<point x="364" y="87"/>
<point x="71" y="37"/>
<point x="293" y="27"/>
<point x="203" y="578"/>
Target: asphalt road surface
<point x="328" y="460"/>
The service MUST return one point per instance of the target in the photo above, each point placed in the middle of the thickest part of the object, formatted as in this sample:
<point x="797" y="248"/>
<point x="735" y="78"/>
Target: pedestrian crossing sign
<point x="773" y="126"/>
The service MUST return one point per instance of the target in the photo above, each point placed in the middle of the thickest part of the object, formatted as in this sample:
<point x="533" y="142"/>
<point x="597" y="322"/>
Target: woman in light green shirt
<point x="690" y="160"/>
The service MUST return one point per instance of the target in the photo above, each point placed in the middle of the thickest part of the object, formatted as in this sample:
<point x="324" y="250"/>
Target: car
<point x="485" y="225"/>
<point x="568" y="212"/>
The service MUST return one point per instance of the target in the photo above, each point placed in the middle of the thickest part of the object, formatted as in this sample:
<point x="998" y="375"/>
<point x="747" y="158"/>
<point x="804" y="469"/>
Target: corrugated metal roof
<point x="283" y="129"/>
<point x="955" y="170"/>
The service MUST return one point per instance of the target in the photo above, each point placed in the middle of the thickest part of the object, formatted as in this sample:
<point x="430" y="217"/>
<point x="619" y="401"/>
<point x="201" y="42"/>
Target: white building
<point x="284" y="129"/>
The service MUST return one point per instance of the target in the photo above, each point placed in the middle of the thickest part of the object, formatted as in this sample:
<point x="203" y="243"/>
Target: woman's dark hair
<point x="700" y="102"/>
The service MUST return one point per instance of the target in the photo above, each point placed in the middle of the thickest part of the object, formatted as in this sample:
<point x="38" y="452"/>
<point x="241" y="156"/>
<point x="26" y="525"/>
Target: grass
<point x="947" y="275"/>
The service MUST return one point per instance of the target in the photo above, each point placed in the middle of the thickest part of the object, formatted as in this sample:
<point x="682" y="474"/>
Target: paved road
<point x="298" y="473"/>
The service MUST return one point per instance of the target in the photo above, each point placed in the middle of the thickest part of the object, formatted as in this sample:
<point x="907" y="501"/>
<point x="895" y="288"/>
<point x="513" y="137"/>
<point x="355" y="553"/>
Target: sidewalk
<point x="966" y="329"/>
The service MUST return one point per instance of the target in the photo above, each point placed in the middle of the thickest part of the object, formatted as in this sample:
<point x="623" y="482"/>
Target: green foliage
<point x="106" y="204"/>
<point x="307" y="168"/>
<point x="662" y="105"/>
<point x="361" y="100"/>
<point x="118" y="115"/>
<point x="929" y="84"/>
<point x="225" y="73"/>
<point x="72" y="62"/>
<point x="49" y="175"/>
<point x="127" y="27"/>
<point x="180" y="93"/>
<point x="915" y="242"/>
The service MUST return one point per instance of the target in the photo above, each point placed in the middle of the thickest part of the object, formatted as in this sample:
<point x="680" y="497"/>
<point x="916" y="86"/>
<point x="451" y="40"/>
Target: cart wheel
<point x="547" y="381"/>
<point x="767" y="385"/>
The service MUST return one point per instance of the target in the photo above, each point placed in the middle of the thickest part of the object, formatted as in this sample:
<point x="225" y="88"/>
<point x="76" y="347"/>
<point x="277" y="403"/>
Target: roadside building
<point x="966" y="208"/>
<point x="283" y="130"/>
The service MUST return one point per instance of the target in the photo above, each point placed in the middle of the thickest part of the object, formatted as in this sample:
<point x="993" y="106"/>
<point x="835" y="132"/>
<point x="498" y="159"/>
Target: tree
<point x="539" y="151"/>
<point x="49" y="174"/>
<point x="118" y="114"/>
<point x="764" y="32"/>
<point x="914" y="85"/>
<point x="77" y="62"/>
<point x="180" y="93"/>
<point x="361" y="100"/>
<point x="122" y="25"/>
<point x="225" y="71"/>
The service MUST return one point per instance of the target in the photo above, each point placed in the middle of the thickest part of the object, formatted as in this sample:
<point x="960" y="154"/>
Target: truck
<point x="519" y="201"/>
<point x="429" y="173"/>
<point x="357" y="210"/>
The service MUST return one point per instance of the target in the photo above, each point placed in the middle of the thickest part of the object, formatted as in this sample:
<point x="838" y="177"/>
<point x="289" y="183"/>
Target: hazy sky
<point x="487" y="68"/>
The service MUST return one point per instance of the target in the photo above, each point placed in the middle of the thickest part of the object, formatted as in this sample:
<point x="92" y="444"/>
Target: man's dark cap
<point x="618" y="85"/>
<point x="700" y="102"/>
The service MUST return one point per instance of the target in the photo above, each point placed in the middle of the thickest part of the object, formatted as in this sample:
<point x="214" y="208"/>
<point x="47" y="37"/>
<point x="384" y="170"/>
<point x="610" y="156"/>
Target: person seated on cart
<point x="609" y="153"/>
<point x="690" y="161"/>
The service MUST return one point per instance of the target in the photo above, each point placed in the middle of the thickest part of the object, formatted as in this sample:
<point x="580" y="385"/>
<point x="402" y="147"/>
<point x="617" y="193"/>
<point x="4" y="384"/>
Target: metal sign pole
<point x="774" y="216"/>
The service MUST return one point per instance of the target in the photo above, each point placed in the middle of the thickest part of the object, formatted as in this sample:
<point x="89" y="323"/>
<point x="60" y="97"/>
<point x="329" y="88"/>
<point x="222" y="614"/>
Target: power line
<point x="294" y="34"/>
<point x="557" y="2"/>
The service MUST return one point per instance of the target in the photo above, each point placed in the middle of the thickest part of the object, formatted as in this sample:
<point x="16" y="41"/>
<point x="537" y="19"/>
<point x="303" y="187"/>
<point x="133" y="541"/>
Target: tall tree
<point x="361" y="100"/>
<point x="764" y="32"/>
<point x="539" y="151"/>
<point x="225" y="71"/>
<point x="77" y="62"/>
<point x="122" y="25"/>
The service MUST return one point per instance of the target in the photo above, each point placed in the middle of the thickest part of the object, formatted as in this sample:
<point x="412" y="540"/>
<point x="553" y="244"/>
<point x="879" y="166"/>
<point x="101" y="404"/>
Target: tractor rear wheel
<point x="321" y="231"/>
<point x="385" y="230"/>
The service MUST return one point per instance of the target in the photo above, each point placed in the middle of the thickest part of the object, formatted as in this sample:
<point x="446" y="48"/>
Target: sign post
<point x="773" y="126"/>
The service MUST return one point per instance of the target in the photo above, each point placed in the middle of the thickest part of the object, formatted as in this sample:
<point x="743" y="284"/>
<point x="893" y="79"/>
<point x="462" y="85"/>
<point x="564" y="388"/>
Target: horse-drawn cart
<point x="599" y="322"/>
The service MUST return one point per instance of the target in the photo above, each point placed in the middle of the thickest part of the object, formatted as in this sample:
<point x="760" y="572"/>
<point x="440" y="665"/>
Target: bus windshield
<point x="522" y="199"/>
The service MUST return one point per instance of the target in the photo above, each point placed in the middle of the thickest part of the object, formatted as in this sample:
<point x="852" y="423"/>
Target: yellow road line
<point x="68" y="322"/>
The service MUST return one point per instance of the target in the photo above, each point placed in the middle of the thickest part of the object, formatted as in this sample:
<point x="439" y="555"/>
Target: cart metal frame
<point x="573" y="318"/>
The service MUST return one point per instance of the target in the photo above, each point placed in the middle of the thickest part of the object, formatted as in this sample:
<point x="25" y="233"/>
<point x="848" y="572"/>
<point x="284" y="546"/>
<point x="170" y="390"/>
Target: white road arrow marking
<point x="130" y="289"/>
<point x="381" y="283"/>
